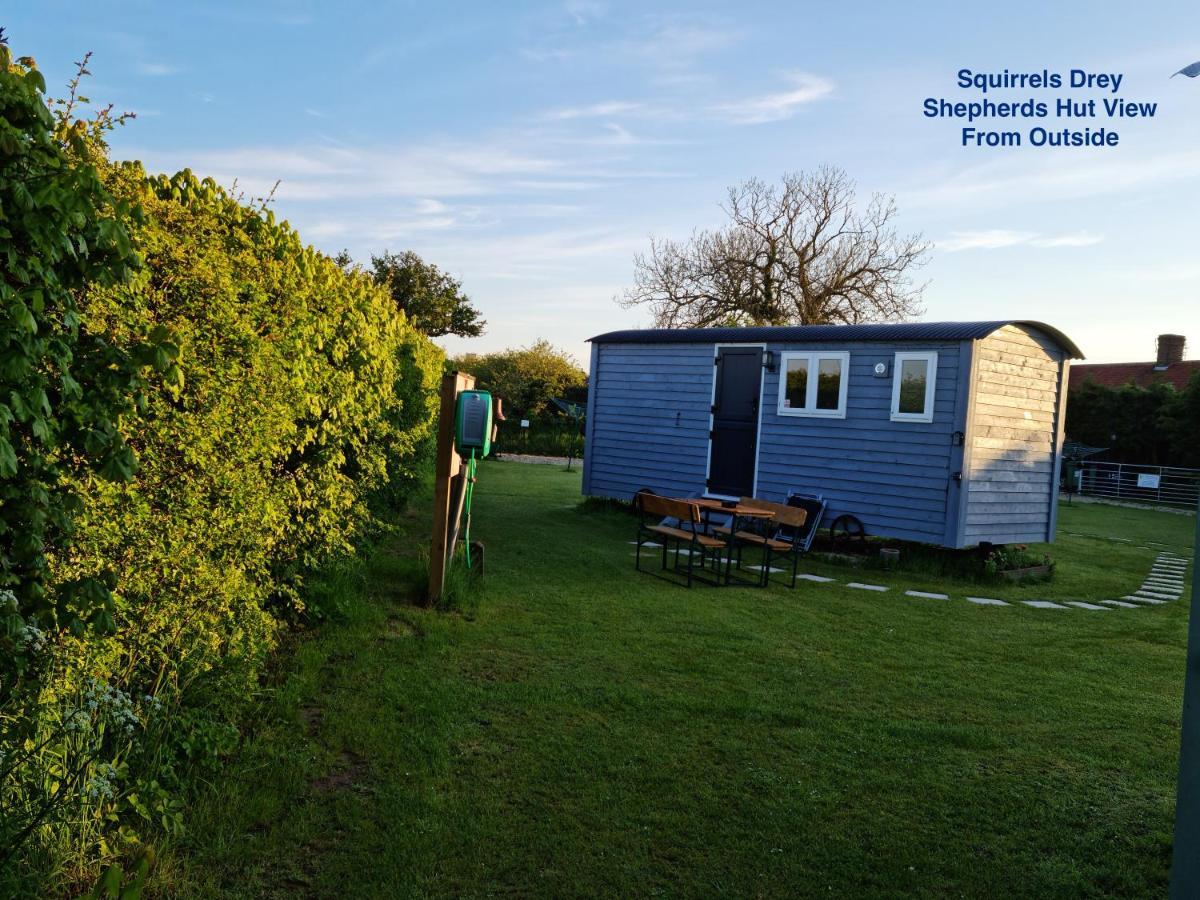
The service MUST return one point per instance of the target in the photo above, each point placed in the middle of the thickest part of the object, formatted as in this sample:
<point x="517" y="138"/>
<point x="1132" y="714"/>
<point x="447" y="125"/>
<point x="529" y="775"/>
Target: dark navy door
<point x="733" y="443"/>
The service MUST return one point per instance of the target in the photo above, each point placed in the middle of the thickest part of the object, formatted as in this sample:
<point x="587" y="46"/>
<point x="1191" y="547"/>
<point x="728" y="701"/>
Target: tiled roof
<point x="1140" y="373"/>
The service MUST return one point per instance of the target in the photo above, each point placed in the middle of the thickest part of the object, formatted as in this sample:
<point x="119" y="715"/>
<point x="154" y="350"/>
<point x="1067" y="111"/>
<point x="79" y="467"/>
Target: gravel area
<point x="536" y="460"/>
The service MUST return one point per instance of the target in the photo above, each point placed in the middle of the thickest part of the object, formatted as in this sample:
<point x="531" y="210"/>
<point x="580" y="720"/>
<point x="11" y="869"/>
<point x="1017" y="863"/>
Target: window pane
<point x="829" y="383"/>
<point x="914" y="374"/>
<point x="796" y="392"/>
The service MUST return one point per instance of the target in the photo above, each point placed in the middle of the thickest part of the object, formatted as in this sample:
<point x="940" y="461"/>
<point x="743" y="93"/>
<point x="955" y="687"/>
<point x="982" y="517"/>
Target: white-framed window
<point x="813" y="383"/>
<point x="914" y="381"/>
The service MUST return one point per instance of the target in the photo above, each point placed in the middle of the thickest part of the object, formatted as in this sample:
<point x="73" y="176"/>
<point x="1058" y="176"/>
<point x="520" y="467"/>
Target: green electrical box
<point x="473" y="424"/>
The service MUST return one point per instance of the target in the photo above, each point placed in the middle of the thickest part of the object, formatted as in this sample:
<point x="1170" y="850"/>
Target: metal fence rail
<point x="1165" y="485"/>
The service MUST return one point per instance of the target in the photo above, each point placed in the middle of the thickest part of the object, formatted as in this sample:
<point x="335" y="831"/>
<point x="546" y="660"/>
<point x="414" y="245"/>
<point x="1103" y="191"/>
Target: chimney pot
<point x="1170" y="350"/>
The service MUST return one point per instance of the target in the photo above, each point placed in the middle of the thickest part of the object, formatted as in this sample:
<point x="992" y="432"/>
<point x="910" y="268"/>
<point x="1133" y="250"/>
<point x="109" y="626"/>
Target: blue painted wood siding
<point x="649" y="428"/>
<point x="893" y="476"/>
<point x="649" y="422"/>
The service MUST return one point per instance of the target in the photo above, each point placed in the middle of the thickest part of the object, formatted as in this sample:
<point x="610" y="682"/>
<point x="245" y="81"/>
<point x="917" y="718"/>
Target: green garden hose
<point x="470" y="491"/>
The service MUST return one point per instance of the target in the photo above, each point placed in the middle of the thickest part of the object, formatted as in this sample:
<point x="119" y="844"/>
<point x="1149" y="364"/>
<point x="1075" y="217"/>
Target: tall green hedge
<point x="260" y="403"/>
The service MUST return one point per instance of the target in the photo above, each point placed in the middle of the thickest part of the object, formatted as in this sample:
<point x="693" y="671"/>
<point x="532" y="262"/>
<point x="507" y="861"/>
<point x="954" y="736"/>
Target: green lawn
<point x="585" y="730"/>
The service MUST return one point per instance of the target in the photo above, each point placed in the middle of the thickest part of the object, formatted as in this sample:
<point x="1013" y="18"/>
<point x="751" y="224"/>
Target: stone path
<point x="1163" y="584"/>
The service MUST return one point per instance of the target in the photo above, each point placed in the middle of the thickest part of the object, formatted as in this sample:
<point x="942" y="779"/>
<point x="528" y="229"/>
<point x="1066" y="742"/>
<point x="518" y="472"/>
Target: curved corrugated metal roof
<point x="903" y="331"/>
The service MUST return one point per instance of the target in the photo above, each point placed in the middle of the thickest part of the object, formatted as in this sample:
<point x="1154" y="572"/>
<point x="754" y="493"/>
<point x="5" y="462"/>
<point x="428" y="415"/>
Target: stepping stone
<point x="1044" y="604"/>
<point x="987" y="601"/>
<point x="1157" y="595"/>
<point x="867" y="587"/>
<point x="1120" y="603"/>
<point x="759" y="569"/>
<point x="928" y="595"/>
<point x="818" y="578"/>
<point x="646" y="544"/>
<point x="1144" y="600"/>
<point x="1083" y="605"/>
<point x="1163" y="583"/>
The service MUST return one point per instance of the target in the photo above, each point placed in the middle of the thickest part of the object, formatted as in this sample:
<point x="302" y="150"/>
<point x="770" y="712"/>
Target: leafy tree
<point x="1155" y="425"/>
<point x="527" y="378"/>
<point x="800" y="253"/>
<point x="432" y="299"/>
<point x="1180" y="423"/>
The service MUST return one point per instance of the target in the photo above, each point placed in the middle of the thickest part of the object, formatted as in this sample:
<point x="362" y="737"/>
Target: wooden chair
<point x="784" y="533"/>
<point x="651" y="509"/>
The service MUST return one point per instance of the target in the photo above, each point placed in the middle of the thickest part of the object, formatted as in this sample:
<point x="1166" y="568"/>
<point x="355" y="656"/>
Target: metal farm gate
<point x="1159" y="485"/>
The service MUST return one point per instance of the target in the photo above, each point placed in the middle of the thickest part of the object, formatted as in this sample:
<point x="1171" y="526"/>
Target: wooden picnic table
<point x="738" y="510"/>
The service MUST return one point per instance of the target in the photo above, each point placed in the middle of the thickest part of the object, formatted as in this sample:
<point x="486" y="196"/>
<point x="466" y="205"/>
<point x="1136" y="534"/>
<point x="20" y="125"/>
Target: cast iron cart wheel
<point x="845" y="529"/>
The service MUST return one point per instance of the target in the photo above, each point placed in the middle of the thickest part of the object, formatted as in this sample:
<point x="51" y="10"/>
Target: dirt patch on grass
<point x="347" y="772"/>
<point x="312" y="716"/>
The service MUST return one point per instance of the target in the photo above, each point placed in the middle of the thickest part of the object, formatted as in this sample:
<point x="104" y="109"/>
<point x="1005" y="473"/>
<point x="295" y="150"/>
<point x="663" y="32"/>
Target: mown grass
<point x="584" y="730"/>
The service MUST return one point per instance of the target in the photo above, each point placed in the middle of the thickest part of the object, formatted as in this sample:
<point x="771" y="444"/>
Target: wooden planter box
<point x="1027" y="572"/>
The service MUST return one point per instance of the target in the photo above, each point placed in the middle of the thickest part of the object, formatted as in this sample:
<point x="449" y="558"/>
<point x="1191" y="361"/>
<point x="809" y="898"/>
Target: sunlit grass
<point x="585" y="730"/>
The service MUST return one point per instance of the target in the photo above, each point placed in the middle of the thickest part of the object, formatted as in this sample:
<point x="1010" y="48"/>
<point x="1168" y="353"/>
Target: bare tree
<point x="798" y="254"/>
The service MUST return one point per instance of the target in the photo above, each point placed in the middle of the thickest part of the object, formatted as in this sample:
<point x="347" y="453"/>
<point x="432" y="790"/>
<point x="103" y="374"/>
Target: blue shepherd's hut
<point x="942" y="432"/>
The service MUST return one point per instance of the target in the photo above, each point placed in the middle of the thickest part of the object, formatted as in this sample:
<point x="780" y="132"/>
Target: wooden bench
<point x="690" y="531"/>
<point x="792" y="517"/>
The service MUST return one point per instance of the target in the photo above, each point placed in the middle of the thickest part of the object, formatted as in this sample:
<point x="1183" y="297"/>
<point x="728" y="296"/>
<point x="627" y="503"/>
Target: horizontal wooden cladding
<point x="1013" y="429"/>
<point x="1027" y="336"/>
<point x="1006" y="520"/>
<point x="629" y="433"/>
<point x="656" y="404"/>
<point x="1011" y="489"/>
<point x="1014" y="351"/>
<point x="641" y="381"/>
<point x="866" y="467"/>
<point x="1004" y="537"/>
<point x="926" y="496"/>
<point x="1017" y="386"/>
<point x="989" y="402"/>
<point x="1035" y="515"/>
<point x="1014" y="434"/>
<point x="859" y="458"/>
<point x="1006" y="470"/>
<point x="1003" y="448"/>
<point x="630" y="475"/>
<point x="1024" y="474"/>
<point x="801" y="430"/>
<point x="991" y="362"/>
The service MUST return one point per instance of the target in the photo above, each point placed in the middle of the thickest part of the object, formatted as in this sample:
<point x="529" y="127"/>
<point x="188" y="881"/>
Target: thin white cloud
<point x="1000" y="238"/>
<point x="992" y="239"/>
<point x="1075" y="239"/>
<point x="805" y="88"/>
<point x="155" y="69"/>
<point x="594" y="110"/>
<point x="428" y="173"/>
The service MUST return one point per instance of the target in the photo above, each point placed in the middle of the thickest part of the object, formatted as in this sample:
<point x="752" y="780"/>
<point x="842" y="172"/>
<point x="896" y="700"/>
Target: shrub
<point x="527" y="378"/>
<point x="293" y="400"/>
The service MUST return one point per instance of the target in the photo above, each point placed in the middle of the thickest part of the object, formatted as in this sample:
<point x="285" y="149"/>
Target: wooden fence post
<point x="446" y="469"/>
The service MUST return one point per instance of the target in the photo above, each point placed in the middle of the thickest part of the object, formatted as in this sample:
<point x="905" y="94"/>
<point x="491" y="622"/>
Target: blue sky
<point x="532" y="149"/>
